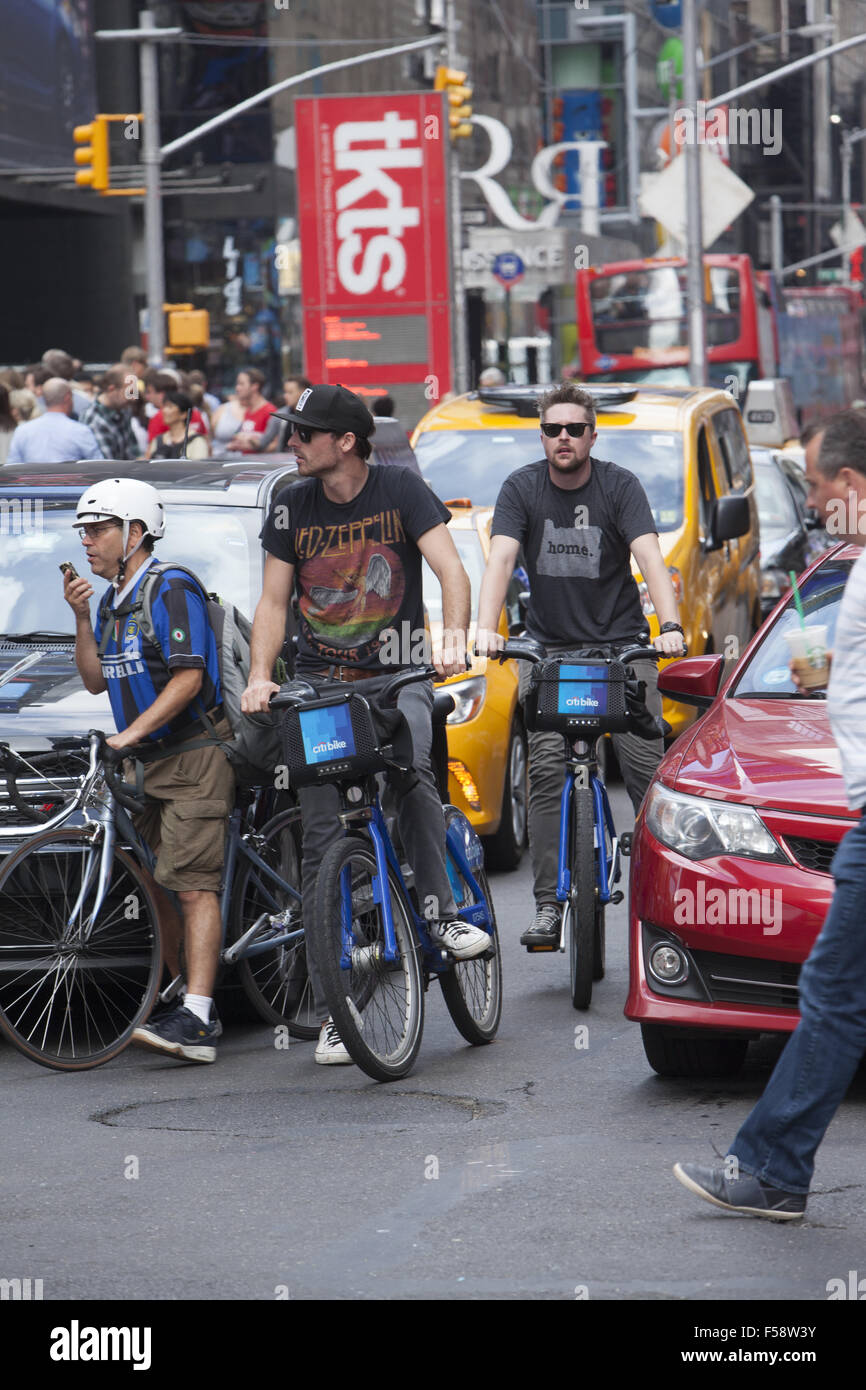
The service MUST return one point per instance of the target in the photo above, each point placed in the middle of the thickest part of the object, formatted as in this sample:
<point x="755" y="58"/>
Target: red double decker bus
<point x="632" y="322"/>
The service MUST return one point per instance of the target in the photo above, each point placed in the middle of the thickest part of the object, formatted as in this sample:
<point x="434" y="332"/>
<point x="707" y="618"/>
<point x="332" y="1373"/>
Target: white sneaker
<point x="330" y="1049"/>
<point x="464" y="942"/>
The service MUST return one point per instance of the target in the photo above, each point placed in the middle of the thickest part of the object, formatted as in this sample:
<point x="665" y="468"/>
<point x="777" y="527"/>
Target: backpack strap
<point x="157" y="571"/>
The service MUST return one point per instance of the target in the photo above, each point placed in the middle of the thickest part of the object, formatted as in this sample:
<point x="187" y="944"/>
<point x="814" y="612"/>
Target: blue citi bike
<point x="582" y="697"/>
<point x="377" y="956"/>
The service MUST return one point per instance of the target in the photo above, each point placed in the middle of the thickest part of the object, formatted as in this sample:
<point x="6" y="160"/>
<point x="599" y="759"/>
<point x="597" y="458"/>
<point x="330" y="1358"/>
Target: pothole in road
<point x="269" y="1114"/>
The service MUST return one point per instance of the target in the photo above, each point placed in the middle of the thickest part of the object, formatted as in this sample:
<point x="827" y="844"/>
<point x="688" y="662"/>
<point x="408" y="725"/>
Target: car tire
<point x="504" y="850"/>
<point x="672" y="1052"/>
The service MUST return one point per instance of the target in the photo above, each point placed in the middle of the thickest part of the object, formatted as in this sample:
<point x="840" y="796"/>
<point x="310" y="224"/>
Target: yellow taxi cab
<point x="688" y="447"/>
<point x="487" y="764"/>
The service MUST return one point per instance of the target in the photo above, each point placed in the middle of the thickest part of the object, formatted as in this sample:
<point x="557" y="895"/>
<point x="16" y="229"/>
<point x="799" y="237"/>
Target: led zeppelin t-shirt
<point x="357" y="565"/>
<point x="576" y="543"/>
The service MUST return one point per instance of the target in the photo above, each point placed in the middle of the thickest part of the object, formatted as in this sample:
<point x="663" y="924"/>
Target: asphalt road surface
<point x="534" y="1168"/>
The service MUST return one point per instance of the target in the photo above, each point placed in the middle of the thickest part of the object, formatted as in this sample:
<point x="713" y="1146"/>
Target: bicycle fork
<point x="357" y="956"/>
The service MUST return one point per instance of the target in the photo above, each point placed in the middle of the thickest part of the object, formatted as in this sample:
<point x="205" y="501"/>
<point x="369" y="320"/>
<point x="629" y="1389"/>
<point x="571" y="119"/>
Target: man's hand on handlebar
<point x="671" y="643"/>
<point x="488" y="641"/>
<point x="256" y="697"/>
<point x="450" y="658"/>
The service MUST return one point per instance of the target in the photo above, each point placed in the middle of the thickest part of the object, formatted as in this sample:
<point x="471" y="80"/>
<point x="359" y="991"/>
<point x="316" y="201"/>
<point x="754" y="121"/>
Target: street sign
<point x="725" y="196"/>
<point x="508" y="269"/>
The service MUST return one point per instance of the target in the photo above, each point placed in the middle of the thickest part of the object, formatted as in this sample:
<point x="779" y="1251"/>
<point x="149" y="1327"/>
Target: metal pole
<point x="694" y="217"/>
<point x="777" y="254"/>
<point x="632" y="136"/>
<point x="821" y="110"/>
<point x="461" y="346"/>
<point x="778" y="73"/>
<point x="847" y="156"/>
<point x="152" y="162"/>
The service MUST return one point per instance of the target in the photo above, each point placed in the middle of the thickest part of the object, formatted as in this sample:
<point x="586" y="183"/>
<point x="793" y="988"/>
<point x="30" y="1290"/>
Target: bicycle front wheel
<point x="582" y="898"/>
<point x="276" y="981"/>
<point x="72" y="991"/>
<point x="472" y="989"/>
<point x="377" y="1005"/>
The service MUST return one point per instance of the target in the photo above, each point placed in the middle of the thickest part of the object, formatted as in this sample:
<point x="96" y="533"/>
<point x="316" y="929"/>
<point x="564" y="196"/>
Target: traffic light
<point x="453" y="83"/>
<point x="92" y="141"/>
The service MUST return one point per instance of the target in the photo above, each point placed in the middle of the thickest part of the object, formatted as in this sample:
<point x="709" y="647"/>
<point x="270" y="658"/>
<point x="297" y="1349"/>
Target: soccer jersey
<point x="137" y="671"/>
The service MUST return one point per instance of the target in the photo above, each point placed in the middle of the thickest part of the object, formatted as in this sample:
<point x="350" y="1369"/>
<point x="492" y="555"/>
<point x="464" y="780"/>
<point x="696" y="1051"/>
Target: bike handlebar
<point x="527" y="649"/>
<point x="300" y="691"/>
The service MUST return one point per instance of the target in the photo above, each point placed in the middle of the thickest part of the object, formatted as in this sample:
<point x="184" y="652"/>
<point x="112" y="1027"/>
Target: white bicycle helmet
<point x="124" y="500"/>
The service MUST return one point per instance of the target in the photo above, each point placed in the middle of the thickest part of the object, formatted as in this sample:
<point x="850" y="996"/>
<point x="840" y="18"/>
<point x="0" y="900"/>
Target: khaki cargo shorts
<point x="194" y="793"/>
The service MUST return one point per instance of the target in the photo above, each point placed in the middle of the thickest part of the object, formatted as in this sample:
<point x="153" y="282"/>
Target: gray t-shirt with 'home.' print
<point x="576" y="546"/>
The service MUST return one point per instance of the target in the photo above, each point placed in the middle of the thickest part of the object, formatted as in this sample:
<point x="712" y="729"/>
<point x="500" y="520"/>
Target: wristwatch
<point x="672" y="627"/>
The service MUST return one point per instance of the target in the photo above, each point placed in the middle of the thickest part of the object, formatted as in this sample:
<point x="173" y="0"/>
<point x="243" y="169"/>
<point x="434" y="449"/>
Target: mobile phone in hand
<point x="68" y="568"/>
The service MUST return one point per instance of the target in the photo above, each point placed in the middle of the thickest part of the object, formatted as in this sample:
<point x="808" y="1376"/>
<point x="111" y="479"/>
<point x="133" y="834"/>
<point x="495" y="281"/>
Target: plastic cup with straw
<point x="808" y="646"/>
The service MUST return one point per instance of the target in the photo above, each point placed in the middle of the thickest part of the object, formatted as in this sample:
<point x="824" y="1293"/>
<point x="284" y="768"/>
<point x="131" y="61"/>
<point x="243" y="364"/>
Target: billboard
<point x="373" y="216"/>
<point x="46" y="80"/>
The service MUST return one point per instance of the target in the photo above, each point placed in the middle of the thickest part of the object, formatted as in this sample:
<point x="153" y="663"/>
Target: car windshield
<point x="473" y="463"/>
<point x="776" y="510"/>
<point x="472" y="557"/>
<point x="219" y="543"/>
<point x="767" y="674"/>
<point x="725" y="376"/>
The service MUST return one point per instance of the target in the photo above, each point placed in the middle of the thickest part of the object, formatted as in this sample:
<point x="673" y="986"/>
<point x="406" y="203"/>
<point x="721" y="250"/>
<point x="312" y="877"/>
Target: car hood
<point x="46" y="699"/>
<point x="765" y="753"/>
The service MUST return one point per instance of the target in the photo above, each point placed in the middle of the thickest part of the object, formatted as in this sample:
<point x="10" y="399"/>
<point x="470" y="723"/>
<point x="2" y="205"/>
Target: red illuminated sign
<point x="373" y="215"/>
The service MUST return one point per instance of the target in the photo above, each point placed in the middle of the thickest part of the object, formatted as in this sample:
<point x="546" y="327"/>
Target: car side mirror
<point x="729" y="519"/>
<point x="694" y="680"/>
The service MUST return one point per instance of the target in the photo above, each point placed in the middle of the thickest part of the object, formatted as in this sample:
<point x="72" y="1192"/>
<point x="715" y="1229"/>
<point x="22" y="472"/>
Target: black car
<point x="791" y="533"/>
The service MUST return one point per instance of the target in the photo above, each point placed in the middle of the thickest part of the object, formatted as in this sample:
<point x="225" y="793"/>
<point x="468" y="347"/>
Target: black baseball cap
<point x="331" y="408"/>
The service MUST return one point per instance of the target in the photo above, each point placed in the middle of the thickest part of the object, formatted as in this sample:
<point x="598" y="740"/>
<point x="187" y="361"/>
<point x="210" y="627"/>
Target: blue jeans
<point x="778" y="1141"/>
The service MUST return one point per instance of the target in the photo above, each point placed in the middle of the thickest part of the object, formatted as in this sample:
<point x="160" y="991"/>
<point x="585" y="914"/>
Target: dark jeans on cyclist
<point x="420" y="823"/>
<point x="638" y="758"/>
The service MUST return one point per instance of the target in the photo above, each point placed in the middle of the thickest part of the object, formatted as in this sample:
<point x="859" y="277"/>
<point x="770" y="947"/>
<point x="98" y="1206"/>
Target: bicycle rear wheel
<point x="582" y="898"/>
<point x="377" y="1005"/>
<point x="276" y="982"/>
<point x="70" y="996"/>
<point x="472" y="989"/>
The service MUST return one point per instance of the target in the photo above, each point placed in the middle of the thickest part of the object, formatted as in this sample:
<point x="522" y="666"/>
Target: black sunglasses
<point x="306" y="432"/>
<point x="574" y="428"/>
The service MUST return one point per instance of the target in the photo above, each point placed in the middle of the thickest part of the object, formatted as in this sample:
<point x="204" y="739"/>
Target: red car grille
<point x="816" y="855"/>
<point x="747" y="980"/>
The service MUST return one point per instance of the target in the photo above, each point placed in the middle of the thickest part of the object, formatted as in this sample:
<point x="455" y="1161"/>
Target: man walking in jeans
<point x="578" y="521"/>
<point x="769" y="1165"/>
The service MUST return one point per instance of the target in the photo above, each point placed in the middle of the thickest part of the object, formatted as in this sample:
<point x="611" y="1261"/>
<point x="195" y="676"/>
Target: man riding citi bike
<point x="578" y="521"/>
<point x="348" y="541"/>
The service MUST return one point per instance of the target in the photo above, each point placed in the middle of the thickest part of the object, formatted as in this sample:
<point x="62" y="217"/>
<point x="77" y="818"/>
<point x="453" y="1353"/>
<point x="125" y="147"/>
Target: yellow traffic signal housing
<point x="453" y="82"/>
<point x="92" y="140"/>
<point x="188" y="328"/>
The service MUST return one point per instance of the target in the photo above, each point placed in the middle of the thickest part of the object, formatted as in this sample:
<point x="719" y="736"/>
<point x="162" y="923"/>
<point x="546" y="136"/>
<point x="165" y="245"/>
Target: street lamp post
<point x="694" y="216"/>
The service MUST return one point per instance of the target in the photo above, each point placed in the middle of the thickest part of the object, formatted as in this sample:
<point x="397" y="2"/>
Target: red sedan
<point x="731" y="853"/>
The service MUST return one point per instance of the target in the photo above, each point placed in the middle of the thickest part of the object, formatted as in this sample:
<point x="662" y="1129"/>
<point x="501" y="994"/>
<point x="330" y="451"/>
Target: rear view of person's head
<point x="383" y="406"/>
<point x="57" y="393"/>
<point x="59" y="363"/>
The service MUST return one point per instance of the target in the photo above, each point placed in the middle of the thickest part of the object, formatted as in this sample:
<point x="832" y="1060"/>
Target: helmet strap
<point x="120" y="577"/>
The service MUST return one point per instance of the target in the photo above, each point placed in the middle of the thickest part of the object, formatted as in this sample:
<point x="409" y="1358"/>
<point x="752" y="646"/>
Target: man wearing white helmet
<point x="158" y="693"/>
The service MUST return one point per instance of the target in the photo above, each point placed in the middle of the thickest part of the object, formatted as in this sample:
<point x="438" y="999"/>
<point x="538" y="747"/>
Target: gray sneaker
<point x="543" y="935"/>
<point x="745" y="1194"/>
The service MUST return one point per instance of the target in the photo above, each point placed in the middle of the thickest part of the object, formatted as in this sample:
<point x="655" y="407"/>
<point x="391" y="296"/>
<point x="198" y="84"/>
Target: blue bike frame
<point x="607" y="867"/>
<point x="476" y="913"/>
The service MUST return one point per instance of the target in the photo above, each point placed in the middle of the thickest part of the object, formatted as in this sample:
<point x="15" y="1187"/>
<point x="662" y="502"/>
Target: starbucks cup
<point x="808" y="648"/>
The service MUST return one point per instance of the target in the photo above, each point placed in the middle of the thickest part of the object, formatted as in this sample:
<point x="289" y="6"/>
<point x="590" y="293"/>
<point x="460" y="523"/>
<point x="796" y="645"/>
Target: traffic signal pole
<point x="151" y="158"/>
<point x="694" y="207"/>
<point x="458" y="286"/>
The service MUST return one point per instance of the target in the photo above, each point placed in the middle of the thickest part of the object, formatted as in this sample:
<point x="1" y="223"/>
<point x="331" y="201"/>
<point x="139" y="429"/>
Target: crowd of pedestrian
<point x="53" y="411"/>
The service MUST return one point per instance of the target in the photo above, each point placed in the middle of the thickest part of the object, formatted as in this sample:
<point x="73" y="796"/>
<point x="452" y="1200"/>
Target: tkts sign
<point x="374" y="244"/>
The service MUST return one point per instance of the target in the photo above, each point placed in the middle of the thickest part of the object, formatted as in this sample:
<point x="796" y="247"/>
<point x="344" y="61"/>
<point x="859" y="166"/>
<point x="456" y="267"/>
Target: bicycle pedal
<point x="625" y="843"/>
<point x="537" y="950"/>
<point x="618" y="896"/>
